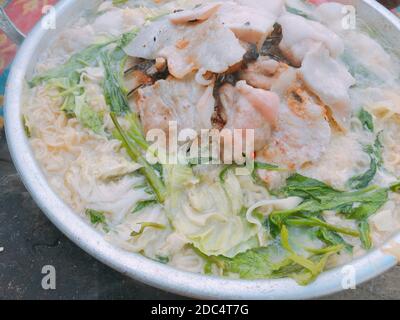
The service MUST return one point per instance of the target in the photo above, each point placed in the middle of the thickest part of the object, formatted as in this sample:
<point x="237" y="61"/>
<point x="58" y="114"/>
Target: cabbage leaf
<point x="208" y="213"/>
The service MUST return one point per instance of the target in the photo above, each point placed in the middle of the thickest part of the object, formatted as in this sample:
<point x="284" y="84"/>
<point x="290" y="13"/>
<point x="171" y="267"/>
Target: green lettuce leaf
<point x="71" y="69"/>
<point x="375" y="153"/>
<point x="366" y="120"/>
<point x="317" y="197"/>
<point x="135" y="152"/>
<point x="87" y="116"/>
<point x="278" y="260"/>
<point x="365" y="234"/>
<point x="332" y="238"/>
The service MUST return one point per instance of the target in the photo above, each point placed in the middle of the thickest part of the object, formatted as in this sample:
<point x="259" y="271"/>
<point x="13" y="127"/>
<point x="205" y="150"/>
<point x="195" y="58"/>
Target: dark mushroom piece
<point x="147" y="72"/>
<point x="271" y="48"/>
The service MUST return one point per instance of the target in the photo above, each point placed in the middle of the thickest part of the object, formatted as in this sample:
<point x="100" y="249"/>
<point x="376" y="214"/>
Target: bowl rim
<point x="134" y="265"/>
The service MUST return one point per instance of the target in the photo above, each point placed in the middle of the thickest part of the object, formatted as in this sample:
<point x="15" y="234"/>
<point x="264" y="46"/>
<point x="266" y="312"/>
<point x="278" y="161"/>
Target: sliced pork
<point x="300" y="36"/>
<point x="199" y="13"/>
<point x="250" y="24"/>
<point x="251" y="21"/>
<point x="263" y="72"/>
<point x="330" y="81"/>
<point x="302" y="133"/>
<point x="250" y="108"/>
<point x="189" y="104"/>
<point x="207" y="46"/>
